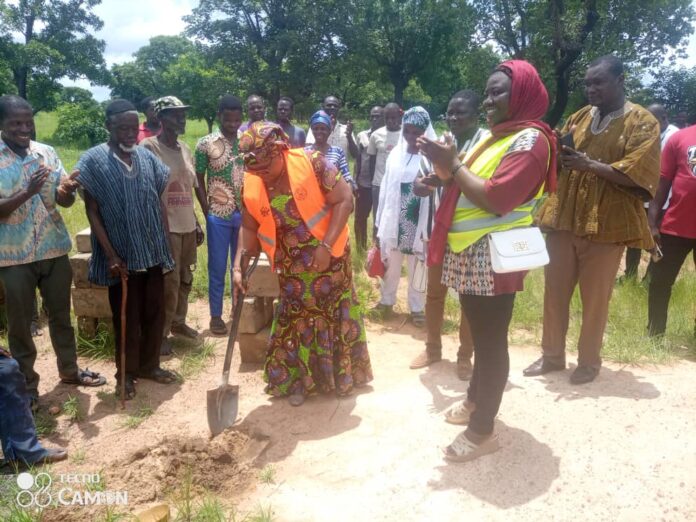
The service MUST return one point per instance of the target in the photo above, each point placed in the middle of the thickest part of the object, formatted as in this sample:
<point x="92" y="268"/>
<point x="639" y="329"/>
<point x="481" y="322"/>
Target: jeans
<point x="489" y="317"/>
<point x="17" y="430"/>
<point x="664" y="273"/>
<point x="222" y="245"/>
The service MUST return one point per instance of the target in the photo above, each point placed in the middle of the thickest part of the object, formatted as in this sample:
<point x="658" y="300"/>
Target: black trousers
<point x="664" y="273"/>
<point x="489" y="318"/>
<point x="144" y="321"/>
<point x="363" y="206"/>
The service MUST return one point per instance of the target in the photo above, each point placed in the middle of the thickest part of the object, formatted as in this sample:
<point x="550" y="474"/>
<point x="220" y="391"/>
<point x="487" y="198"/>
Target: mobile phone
<point x="432" y="181"/>
<point x="568" y="141"/>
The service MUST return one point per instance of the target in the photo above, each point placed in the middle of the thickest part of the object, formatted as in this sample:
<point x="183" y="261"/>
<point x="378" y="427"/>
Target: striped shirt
<point x="129" y="205"/>
<point x="337" y="157"/>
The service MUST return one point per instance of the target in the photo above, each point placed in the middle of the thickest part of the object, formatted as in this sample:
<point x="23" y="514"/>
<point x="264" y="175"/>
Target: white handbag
<point x="517" y="249"/>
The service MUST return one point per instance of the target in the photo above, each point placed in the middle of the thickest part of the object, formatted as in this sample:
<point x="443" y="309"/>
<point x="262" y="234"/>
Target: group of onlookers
<point x="268" y="186"/>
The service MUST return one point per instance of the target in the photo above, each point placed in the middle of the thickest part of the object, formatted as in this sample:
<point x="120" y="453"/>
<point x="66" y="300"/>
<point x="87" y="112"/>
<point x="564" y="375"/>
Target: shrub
<point x="80" y="125"/>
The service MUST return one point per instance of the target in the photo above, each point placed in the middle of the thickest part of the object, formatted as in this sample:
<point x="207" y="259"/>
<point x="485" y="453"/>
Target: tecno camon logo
<point x="35" y="491"/>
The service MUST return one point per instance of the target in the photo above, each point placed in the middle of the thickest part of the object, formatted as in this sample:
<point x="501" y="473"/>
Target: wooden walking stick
<point x="124" y="301"/>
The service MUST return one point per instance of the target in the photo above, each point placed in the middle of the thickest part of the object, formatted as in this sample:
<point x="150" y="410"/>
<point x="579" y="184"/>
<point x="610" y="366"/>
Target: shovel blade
<point x="223" y="405"/>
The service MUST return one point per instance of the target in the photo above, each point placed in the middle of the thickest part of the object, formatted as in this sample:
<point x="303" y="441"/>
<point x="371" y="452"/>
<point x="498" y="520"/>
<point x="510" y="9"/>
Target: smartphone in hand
<point x="432" y="181"/>
<point x="568" y="141"/>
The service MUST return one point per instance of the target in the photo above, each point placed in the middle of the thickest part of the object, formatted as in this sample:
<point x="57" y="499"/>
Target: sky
<point x="129" y="24"/>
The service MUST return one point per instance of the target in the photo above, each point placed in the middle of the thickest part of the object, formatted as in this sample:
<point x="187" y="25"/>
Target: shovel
<point x="223" y="401"/>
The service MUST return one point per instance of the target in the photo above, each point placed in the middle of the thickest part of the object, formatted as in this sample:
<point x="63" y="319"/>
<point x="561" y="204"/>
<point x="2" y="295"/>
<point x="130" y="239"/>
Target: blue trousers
<point x="222" y="243"/>
<point x="17" y="430"/>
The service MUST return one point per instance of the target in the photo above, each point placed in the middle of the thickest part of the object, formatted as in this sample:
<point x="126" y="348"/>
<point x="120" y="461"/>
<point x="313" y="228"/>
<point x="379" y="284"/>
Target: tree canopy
<point x="42" y="41"/>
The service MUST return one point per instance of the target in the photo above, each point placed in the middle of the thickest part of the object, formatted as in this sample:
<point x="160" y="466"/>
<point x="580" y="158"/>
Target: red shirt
<point x="144" y="132"/>
<point x="680" y="150"/>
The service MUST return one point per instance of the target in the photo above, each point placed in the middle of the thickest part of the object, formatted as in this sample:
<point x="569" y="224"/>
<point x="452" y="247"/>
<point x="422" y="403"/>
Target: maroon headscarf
<point x="529" y="101"/>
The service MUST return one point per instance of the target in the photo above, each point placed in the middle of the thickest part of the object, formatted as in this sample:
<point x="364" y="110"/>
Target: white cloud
<point x="129" y="24"/>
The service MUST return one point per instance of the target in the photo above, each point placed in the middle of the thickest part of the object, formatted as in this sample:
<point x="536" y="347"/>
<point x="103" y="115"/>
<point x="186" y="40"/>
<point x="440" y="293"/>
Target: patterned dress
<point x="318" y="341"/>
<point x="409" y="212"/>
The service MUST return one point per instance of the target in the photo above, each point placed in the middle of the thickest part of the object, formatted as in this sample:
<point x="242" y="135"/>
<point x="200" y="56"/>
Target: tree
<point x="201" y="83"/>
<point x="55" y="42"/>
<point x="144" y="76"/>
<point x="676" y="90"/>
<point x="80" y="124"/>
<point x="410" y="38"/>
<point x="562" y="37"/>
<point x="76" y="95"/>
<point x="275" y="46"/>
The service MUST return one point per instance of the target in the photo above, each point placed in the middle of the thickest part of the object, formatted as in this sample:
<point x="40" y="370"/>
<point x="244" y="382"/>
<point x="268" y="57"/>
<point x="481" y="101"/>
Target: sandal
<point x="458" y="413"/>
<point x="161" y="376"/>
<point x="130" y="388"/>
<point x="418" y="319"/>
<point x="463" y="450"/>
<point x="85" y="378"/>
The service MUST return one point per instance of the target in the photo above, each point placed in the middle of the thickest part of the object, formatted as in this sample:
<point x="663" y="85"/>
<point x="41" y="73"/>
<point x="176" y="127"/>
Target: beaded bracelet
<point x="456" y="169"/>
<point x="326" y="245"/>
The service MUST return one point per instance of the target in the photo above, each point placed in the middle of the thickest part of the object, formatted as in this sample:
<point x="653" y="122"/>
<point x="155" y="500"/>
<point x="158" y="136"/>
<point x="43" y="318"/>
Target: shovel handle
<point x="124" y="305"/>
<point x="236" y="316"/>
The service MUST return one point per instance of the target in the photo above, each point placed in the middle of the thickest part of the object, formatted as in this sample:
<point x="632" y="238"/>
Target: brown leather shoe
<point x="422" y="360"/>
<point x="464" y="369"/>
<point x="217" y="326"/>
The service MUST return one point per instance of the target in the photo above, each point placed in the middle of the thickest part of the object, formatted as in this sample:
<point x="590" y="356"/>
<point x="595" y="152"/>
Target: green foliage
<point x="71" y="409"/>
<point x="55" y="43"/>
<point x="101" y="347"/>
<point x="676" y="89"/>
<point x="561" y="38"/>
<point x="135" y="419"/>
<point x="80" y="124"/>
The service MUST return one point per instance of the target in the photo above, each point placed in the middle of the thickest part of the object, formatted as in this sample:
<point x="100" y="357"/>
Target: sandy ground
<point x="621" y="448"/>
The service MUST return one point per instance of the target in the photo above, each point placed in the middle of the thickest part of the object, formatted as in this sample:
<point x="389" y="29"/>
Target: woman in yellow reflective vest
<point x="493" y="188"/>
<point x="296" y="208"/>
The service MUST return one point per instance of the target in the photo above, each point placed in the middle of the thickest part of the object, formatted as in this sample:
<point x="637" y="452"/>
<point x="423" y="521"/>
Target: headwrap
<point x="396" y="173"/>
<point x="263" y="140"/>
<point x="417" y="116"/>
<point x="118" y="106"/>
<point x="320" y="117"/>
<point x="529" y="101"/>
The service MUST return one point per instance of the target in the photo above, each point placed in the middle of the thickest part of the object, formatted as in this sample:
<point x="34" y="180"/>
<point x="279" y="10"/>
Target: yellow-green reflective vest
<point x="471" y="223"/>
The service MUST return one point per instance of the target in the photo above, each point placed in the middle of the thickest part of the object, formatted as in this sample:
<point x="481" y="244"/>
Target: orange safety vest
<point x="311" y="203"/>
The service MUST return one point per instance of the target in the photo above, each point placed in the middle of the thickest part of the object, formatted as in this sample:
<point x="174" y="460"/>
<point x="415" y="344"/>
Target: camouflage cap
<point x="168" y="102"/>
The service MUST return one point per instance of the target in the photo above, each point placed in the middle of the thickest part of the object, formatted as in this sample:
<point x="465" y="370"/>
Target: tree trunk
<point x="20" y="78"/>
<point x="561" y="101"/>
<point x="399" y="88"/>
<point x="210" y="122"/>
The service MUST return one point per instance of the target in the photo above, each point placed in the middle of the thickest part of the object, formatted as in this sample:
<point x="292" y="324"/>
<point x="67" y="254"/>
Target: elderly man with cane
<point x="123" y="187"/>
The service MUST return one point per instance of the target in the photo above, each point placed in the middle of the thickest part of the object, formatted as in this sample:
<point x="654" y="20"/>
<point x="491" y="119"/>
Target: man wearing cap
<point x="123" y="187"/>
<point x="34" y="245"/>
<point x="185" y="234"/>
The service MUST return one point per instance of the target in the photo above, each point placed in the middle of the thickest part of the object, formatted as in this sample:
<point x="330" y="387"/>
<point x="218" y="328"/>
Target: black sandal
<point x="130" y="388"/>
<point x="85" y="378"/>
<point x="161" y="376"/>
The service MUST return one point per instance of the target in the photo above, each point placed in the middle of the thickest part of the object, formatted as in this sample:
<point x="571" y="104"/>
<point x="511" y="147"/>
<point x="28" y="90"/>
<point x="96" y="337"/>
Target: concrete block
<point x="91" y="302"/>
<point x="87" y="327"/>
<point x="254" y="316"/>
<point x="253" y="347"/>
<point x="263" y="282"/>
<point x="83" y="241"/>
<point x="80" y="270"/>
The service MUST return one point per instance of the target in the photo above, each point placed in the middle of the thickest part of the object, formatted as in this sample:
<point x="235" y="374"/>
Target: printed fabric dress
<point x="317" y="341"/>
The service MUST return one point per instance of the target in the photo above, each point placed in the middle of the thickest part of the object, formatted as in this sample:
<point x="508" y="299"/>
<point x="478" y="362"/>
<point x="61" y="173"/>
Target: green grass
<point x="101" y="347"/>
<point x="78" y="456"/>
<point x="71" y="409"/>
<point x="45" y="423"/>
<point x="196" y="360"/>
<point x="135" y="419"/>
<point x="267" y="474"/>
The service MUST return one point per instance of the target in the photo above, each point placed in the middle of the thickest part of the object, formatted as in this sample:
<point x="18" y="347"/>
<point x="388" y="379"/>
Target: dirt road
<point x="621" y="448"/>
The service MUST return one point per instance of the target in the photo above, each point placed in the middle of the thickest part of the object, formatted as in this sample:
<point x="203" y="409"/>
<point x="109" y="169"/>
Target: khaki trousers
<point x="177" y="283"/>
<point x="435" y="315"/>
<point x="575" y="260"/>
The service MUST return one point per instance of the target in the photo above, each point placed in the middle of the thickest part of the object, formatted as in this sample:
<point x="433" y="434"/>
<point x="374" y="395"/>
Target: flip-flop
<point x="85" y="378"/>
<point x="463" y="450"/>
<point x="160" y="375"/>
